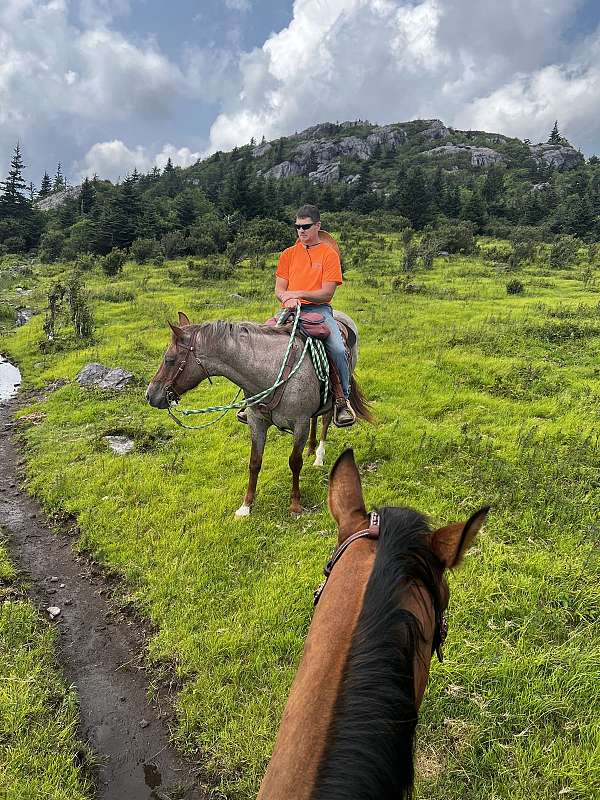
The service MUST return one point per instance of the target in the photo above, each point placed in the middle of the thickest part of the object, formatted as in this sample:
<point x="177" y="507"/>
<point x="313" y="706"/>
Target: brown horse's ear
<point x="183" y="320"/>
<point x="345" y="499"/>
<point x="176" y="330"/>
<point x="452" y="542"/>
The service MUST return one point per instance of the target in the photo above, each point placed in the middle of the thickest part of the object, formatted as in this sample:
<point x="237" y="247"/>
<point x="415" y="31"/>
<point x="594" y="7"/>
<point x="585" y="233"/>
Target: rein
<point x="372" y="532"/>
<point x="320" y="363"/>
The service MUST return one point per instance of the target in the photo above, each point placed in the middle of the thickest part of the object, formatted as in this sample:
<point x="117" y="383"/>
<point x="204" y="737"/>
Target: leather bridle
<point x="172" y="394"/>
<point x="372" y="532"/>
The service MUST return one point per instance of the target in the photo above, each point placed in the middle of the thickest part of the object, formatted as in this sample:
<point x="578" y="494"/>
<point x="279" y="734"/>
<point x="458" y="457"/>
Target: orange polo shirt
<point x="307" y="269"/>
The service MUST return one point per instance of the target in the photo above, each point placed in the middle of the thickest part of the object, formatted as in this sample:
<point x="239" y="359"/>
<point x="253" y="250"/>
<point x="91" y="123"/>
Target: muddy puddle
<point x="10" y="380"/>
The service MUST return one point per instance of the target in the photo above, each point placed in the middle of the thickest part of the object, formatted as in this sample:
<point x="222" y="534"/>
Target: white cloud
<point x="115" y="159"/>
<point x="506" y="67"/>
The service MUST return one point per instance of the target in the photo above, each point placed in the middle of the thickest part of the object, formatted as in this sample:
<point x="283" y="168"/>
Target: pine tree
<point x="555" y="137"/>
<point x="87" y="198"/>
<point x="45" y="187"/>
<point x="59" y="182"/>
<point x="13" y="200"/>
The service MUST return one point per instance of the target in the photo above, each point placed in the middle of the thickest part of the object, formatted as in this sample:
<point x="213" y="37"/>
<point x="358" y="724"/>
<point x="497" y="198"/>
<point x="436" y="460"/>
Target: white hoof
<point x="320" y="455"/>
<point x="243" y="511"/>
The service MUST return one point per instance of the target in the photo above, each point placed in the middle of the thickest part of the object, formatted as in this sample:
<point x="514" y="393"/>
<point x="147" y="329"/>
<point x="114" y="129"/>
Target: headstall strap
<point x="182" y="364"/>
<point x="372" y="532"/>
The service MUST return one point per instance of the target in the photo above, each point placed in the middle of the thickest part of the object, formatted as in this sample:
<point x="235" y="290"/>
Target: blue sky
<point x="108" y="85"/>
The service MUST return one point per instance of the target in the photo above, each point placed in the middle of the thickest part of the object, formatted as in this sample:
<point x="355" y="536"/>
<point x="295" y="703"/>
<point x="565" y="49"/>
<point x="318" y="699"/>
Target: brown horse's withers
<point x="348" y="727"/>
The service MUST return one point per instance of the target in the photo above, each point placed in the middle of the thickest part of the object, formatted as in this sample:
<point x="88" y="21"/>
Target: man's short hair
<point x="312" y="212"/>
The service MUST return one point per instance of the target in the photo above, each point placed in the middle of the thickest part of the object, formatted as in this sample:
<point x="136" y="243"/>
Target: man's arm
<point x="281" y="285"/>
<point x="322" y="295"/>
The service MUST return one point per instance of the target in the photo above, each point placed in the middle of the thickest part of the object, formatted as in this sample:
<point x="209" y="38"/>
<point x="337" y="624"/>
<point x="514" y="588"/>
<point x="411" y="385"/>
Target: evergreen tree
<point x="45" y="187"/>
<point x="13" y="200"/>
<point x="87" y="197"/>
<point x="555" y="137"/>
<point x="59" y="182"/>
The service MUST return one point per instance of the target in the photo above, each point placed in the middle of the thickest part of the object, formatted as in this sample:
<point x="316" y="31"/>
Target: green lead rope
<point x="321" y="366"/>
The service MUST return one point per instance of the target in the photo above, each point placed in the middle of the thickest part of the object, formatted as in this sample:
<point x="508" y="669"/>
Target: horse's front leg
<point x="258" y="430"/>
<point x="295" y="462"/>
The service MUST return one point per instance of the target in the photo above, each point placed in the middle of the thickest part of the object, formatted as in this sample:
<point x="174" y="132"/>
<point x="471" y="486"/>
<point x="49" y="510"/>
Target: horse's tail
<point x="359" y="402"/>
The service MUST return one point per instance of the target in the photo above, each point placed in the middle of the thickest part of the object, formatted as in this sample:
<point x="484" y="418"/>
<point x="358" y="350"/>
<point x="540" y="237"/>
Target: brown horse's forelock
<point x="370" y="749"/>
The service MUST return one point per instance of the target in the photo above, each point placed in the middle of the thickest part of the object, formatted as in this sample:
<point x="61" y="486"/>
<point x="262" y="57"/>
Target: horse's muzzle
<point x="156" y="395"/>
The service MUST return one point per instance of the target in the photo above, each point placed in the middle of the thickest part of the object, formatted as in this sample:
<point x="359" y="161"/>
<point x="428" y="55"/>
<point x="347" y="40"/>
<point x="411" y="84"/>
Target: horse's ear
<point x="183" y="320"/>
<point x="178" y="333"/>
<point x="345" y="498"/>
<point x="452" y="542"/>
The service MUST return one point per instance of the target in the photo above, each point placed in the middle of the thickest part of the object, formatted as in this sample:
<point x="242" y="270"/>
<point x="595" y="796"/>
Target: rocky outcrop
<point x="325" y="173"/>
<point x="434" y="130"/>
<point x="58" y="198"/>
<point x="479" y="156"/>
<point x="319" y="158"/>
<point x="261" y="149"/>
<point x="287" y="169"/>
<point x="559" y="156"/>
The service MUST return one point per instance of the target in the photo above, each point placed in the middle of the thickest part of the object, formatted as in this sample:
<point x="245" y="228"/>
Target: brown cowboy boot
<point x="242" y="416"/>
<point x="343" y="415"/>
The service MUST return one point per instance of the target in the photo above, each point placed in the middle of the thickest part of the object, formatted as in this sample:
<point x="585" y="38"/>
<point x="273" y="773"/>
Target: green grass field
<point x="39" y="751"/>
<point x="480" y="398"/>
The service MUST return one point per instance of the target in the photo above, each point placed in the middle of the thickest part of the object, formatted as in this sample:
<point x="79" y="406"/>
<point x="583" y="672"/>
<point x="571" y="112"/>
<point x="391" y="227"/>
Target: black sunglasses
<point x="304" y="227"/>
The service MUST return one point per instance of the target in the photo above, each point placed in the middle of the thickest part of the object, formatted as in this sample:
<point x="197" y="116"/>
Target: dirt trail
<point x="98" y="648"/>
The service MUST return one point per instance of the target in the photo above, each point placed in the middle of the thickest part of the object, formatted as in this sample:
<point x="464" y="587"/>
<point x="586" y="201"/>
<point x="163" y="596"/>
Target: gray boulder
<point x="101" y="377"/>
<point x="387" y="136"/>
<point x="354" y="147"/>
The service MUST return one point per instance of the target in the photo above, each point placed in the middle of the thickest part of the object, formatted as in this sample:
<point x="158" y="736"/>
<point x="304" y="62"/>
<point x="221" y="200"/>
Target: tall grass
<point x="479" y="397"/>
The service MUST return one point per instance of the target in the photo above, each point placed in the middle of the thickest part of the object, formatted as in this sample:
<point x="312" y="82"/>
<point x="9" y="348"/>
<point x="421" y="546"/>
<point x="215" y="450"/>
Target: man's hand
<point x="290" y="302"/>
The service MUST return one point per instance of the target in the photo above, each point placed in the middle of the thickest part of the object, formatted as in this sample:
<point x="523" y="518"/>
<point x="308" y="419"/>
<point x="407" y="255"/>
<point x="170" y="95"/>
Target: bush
<point x="51" y="245"/>
<point x="457" y="237"/>
<point x="158" y="260"/>
<point x="85" y="262"/>
<point x="79" y="307"/>
<point x="564" y="252"/>
<point x="515" y="287"/>
<point x="114" y="294"/>
<point x="142" y="250"/>
<point x="174" y="244"/>
<point x="15" y="244"/>
<point x="201" y="245"/>
<point x="112" y="263"/>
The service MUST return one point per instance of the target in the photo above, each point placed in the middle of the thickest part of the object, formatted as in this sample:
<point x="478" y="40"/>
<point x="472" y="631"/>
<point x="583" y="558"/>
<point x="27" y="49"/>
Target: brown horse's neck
<point x="309" y="711"/>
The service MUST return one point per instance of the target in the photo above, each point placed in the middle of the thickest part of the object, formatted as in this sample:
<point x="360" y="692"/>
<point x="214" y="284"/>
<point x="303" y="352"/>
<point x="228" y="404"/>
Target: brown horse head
<point x="176" y="374"/>
<point x="349" y="725"/>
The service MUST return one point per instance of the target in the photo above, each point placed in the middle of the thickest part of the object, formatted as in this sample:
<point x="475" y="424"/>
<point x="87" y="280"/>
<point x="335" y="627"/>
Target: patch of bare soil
<point x="99" y="649"/>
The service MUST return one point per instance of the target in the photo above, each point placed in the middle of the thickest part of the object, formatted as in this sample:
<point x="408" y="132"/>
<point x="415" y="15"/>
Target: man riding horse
<point x="308" y="273"/>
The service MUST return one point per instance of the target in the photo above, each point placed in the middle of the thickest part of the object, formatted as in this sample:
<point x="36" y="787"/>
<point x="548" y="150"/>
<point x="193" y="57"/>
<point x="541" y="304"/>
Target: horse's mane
<point x="370" y="750"/>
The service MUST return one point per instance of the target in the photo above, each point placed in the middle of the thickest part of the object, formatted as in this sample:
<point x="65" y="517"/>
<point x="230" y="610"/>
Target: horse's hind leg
<point x="320" y="453"/>
<point x="296" y="461"/>
<point x="259" y="435"/>
<point x="312" y="437"/>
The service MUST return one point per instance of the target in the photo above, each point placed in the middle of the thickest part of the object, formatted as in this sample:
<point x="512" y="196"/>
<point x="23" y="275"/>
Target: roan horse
<point x="250" y="356"/>
<point x="348" y="728"/>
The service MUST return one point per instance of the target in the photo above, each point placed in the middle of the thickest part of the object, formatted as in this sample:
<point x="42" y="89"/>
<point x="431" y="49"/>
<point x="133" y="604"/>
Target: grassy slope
<point x="38" y="714"/>
<point x="483" y="398"/>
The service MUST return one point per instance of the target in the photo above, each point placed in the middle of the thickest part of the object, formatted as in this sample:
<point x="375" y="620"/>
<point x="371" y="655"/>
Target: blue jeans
<point x="334" y="344"/>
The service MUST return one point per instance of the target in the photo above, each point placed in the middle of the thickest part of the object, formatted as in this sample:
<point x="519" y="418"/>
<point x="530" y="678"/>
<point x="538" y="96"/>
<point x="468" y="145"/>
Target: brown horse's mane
<point x="371" y="739"/>
<point x="216" y="331"/>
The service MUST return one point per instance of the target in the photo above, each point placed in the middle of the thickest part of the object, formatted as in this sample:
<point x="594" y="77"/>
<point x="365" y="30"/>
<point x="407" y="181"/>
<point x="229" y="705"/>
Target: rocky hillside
<point x="329" y="153"/>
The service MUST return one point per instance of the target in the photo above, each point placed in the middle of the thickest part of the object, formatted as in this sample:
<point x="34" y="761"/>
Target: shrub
<point x="142" y="250"/>
<point x="158" y="260"/>
<point x="112" y="263"/>
<point x="200" y="245"/>
<point x="409" y="262"/>
<point x="85" y="262"/>
<point x="114" y="294"/>
<point x="563" y="252"/>
<point x="457" y="237"/>
<point x="174" y="244"/>
<point x="51" y="245"/>
<point x="15" y="244"/>
<point x="515" y="287"/>
<point x="79" y="307"/>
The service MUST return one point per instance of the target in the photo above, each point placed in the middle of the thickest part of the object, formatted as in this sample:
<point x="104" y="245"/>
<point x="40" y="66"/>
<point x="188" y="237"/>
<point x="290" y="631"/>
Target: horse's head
<point x="180" y="369"/>
<point x="421" y="556"/>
